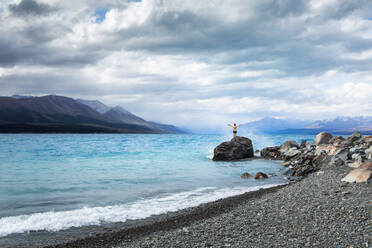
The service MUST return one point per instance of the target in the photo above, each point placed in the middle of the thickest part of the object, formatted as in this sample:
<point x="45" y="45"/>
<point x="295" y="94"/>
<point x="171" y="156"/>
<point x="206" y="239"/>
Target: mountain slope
<point x="95" y="105"/>
<point x="273" y="124"/>
<point x="120" y="115"/>
<point x="63" y="114"/>
<point x="57" y="114"/>
<point x="288" y="126"/>
<point x="168" y="128"/>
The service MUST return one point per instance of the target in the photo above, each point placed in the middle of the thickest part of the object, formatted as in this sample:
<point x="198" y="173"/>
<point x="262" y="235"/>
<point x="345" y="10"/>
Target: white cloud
<point x="195" y="62"/>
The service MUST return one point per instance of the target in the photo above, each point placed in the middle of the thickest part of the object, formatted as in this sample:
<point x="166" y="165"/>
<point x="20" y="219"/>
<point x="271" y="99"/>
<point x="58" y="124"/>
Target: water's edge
<point x="109" y="234"/>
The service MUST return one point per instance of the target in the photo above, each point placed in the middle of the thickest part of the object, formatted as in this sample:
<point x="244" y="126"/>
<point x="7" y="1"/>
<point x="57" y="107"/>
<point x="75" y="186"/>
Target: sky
<point x="193" y="63"/>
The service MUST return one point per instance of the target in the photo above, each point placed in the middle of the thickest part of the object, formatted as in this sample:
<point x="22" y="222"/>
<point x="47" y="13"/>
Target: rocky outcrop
<point x="235" y="149"/>
<point x="323" y="138"/>
<point x="354" y="151"/>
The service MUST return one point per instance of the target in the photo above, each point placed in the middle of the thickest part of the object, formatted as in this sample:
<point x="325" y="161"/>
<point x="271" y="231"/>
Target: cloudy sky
<point x="193" y="62"/>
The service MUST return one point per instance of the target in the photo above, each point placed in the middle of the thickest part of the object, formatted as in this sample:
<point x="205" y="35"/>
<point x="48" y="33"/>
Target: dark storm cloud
<point x="30" y="7"/>
<point x="271" y="34"/>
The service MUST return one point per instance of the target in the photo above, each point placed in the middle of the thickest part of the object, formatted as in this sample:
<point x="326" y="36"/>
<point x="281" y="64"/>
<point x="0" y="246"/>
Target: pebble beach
<point x="318" y="211"/>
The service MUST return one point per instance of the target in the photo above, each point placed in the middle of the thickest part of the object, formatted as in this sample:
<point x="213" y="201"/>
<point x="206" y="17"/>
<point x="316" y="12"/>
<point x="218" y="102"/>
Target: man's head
<point x="234" y="124"/>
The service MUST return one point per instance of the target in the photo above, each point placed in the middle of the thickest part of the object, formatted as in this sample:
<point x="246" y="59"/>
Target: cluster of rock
<point x="258" y="176"/>
<point x="355" y="151"/>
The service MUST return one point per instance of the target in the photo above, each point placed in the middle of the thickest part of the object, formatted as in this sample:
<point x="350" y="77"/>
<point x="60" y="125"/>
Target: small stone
<point x="320" y="173"/>
<point x="260" y="176"/>
<point x="245" y="175"/>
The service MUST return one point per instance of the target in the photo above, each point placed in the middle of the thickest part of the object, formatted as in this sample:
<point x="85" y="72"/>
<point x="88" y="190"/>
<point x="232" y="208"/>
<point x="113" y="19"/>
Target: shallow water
<point x="56" y="181"/>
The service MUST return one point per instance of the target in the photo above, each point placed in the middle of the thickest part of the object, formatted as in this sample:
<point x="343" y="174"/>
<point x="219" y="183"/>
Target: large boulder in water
<point x="235" y="149"/>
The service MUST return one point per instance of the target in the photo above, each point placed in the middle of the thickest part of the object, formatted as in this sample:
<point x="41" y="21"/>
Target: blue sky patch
<point x="100" y="14"/>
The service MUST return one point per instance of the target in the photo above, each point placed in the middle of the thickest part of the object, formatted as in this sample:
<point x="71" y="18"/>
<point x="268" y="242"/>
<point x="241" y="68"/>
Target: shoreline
<point x="168" y="221"/>
<point x="313" y="197"/>
<point x="113" y="233"/>
<point x="317" y="211"/>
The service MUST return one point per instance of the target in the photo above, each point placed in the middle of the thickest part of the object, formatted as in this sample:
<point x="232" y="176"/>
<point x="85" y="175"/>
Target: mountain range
<point x="340" y="125"/>
<point x="60" y="114"/>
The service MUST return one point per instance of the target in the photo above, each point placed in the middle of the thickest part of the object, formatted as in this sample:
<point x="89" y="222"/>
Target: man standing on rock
<point x="235" y="129"/>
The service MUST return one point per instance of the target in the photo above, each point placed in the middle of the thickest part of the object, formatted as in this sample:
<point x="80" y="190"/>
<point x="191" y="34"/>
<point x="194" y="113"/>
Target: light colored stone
<point x="359" y="175"/>
<point x="329" y="149"/>
<point x="355" y="164"/>
<point x="322" y="138"/>
<point x="369" y="153"/>
<point x="367" y="139"/>
<point x="367" y="165"/>
<point x="320" y="173"/>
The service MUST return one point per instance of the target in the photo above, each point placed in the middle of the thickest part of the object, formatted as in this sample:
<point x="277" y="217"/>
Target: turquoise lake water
<point x="56" y="181"/>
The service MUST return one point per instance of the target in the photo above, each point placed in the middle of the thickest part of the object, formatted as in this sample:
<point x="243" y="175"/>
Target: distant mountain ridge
<point x="291" y="126"/>
<point x="63" y="114"/>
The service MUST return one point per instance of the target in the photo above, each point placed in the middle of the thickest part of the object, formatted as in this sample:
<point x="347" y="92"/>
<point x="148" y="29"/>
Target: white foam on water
<point x="210" y="155"/>
<point x="55" y="221"/>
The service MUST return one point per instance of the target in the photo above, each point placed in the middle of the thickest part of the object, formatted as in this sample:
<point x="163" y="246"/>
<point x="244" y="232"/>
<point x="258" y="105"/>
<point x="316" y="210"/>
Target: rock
<point x="289" y="153"/>
<point x="358" y="160"/>
<point x="356" y="163"/>
<point x="289" y="144"/>
<point x="368" y="153"/>
<point x="346" y="143"/>
<point x="322" y="138"/>
<point x="337" y="140"/>
<point x="359" y="175"/>
<point x="367" y="165"/>
<point x="286" y="164"/>
<point x="320" y="173"/>
<point x="334" y="150"/>
<point x="367" y="139"/>
<point x="354" y="137"/>
<point x="356" y="150"/>
<point x="260" y="176"/>
<point x="245" y="175"/>
<point x="329" y="149"/>
<point x="343" y="154"/>
<point x="271" y="153"/>
<point x="337" y="161"/>
<point x="235" y="149"/>
<point x="290" y="172"/>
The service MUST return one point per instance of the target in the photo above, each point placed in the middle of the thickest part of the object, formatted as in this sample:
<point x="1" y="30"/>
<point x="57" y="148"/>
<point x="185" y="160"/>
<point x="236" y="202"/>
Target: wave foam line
<point x="55" y="221"/>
